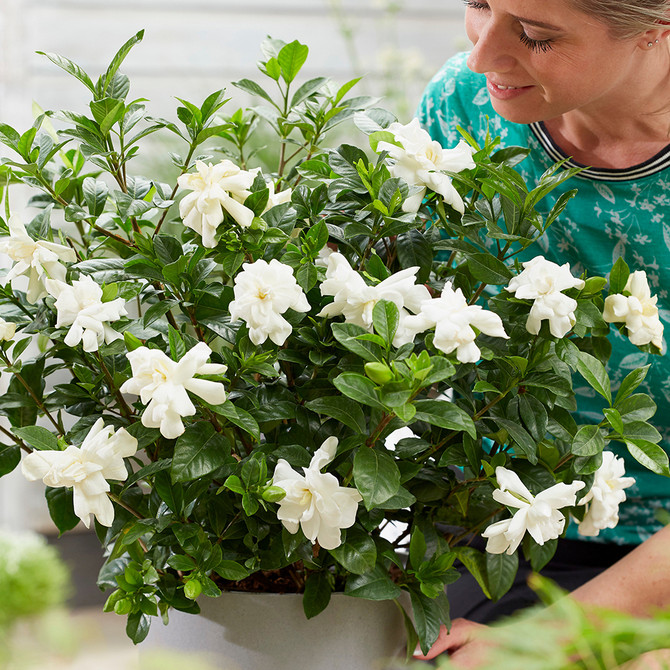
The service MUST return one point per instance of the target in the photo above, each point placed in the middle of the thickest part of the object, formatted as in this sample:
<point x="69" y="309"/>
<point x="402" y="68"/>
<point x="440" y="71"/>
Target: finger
<point x="462" y="631"/>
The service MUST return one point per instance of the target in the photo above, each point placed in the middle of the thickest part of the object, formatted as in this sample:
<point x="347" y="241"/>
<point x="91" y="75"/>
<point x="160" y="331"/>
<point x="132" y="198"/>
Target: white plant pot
<point x="263" y="631"/>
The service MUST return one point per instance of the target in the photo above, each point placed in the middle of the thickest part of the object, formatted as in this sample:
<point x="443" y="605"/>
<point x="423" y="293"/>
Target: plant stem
<point x="18" y="441"/>
<point x="123" y="405"/>
<point x="57" y="424"/>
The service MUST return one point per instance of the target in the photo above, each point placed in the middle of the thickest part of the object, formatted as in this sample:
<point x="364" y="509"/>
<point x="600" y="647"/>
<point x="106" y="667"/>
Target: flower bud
<point x="380" y="373"/>
<point x="273" y="494"/>
<point x="192" y="589"/>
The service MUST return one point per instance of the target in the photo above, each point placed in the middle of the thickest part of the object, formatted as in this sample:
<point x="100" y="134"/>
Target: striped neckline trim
<point x="659" y="162"/>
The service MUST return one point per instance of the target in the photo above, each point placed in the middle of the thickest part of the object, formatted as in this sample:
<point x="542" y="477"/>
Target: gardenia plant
<point x="246" y="373"/>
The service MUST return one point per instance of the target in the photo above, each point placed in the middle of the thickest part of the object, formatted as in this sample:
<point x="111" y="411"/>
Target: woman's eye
<point x="473" y="4"/>
<point x="535" y="45"/>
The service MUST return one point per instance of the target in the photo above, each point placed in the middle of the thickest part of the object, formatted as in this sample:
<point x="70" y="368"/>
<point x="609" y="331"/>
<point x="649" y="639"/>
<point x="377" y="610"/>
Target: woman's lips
<point x="505" y="92"/>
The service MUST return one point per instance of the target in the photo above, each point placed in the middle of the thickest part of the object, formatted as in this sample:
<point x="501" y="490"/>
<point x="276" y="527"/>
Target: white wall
<point x="194" y="47"/>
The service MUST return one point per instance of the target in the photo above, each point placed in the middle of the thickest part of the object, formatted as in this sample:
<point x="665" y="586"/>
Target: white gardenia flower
<point x="80" y="306"/>
<point x="215" y="188"/>
<point x="537" y="515"/>
<point x="162" y="385"/>
<point x="420" y="161"/>
<point x="605" y="496"/>
<point x="86" y="469"/>
<point x="453" y="320"/>
<point x="263" y="292"/>
<point x="543" y="282"/>
<point x="275" y="199"/>
<point x="38" y="260"/>
<point x="355" y="300"/>
<point x="315" y="501"/>
<point x="637" y="310"/>
<point x="392" y="439"/>
<point x="7" y="330"/>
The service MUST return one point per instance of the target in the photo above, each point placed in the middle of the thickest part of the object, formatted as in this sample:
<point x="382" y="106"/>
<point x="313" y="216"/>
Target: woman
<point x="587" y="80"/>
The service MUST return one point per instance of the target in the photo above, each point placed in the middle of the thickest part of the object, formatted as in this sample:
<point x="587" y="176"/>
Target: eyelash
<point x="534" y="45"/>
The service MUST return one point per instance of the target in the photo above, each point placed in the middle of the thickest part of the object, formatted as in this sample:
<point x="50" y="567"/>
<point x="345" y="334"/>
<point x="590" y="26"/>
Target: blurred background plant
<point x="399" y="64"/>
<point x="33" y="581"/>
<point x="562" y="634"/>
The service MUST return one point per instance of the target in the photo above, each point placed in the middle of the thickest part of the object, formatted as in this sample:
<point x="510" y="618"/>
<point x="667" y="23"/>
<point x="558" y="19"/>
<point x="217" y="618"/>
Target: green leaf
<point x="358" y="554"/>
<point x="488" y="269"/>
<point x="595" y="374"/>
<point x="308" y="88"/>
<point x="95" y="195"/>
<point x="61" y="508"/>
<point x="618" y="276"/>
<point x="614" y="419"/>
<point x="376" y="475"/>
<point x="358" y="388"/>
<point x="119" y="57"/>
<point x="137" y="626"/>
<point x="588" y="441"/>
<point x="199" y="451"/>
<point x="317" y="594"/>
<point x="415" y="250"/>
<point x="342" y="409"/>
<point x="444" y="414"/>
<point x="429" y="614"/>
<point x="385" y="319"/>
<point x="540" y="555"/>
<point x="630" y="383"/>
<point x="38" y="437"/>
<point x="417" y="548"/>
<point x="650" y="455"/>
<point x="521" y="438"/>
<point x="373" y="585"/>
<point x="475" y="563"/>
<point x="231" y="570"/>
<point x="501" y="570"/>
<point x="637" y="407"/>
<point x="240" y="418"/>
<point x="347" y="335"/>
<point x="70" y="68"/>
<point x="252" y="87"/>
<point x="177" y="344"/>
<point x="641" y="430"/>
<point x="10" y="457"/>
<point x="181" y="562"/>
<point x="291" y="58"/>
<point x="107" y="112"/>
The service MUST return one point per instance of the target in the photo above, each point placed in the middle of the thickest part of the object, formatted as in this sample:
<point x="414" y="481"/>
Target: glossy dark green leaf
<point x="595" y="374"/>
<point x="374" y="585"/>
<point x="358" y="388"/>
<point x="198" y="451"/>
<point x="650" y="455"/>
<point x="376" y="475"/>
<point x="588" y="441"/>
<point x="501" y="570"/>
<point x="10" y="457"/>
<point x="61" y="508"/>
<point x="444" y="414"/>
<point x="343" y="409"/>
<point x="358" y="554"/>
<point x="37" y="437"/>
<point x="317" y="594"/>
<point x="385" y="319"/>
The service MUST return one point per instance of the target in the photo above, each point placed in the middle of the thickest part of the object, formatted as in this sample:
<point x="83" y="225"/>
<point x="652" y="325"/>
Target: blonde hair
<point x="627" y="18"/>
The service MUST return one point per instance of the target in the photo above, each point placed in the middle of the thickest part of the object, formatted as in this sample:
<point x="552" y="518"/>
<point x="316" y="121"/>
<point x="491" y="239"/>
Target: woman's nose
<point x="491" y="50"/>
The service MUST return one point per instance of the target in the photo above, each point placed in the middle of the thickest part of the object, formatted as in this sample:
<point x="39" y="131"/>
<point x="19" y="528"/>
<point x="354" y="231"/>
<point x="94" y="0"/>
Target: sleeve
<point x="454" y="97"/>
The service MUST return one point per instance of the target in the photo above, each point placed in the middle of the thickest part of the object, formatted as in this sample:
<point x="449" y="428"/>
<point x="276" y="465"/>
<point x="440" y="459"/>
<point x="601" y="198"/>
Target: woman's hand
<point x="461" y="643"/>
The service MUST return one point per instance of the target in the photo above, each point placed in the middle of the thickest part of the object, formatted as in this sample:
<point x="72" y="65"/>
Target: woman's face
<point x="543" y="58"/>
